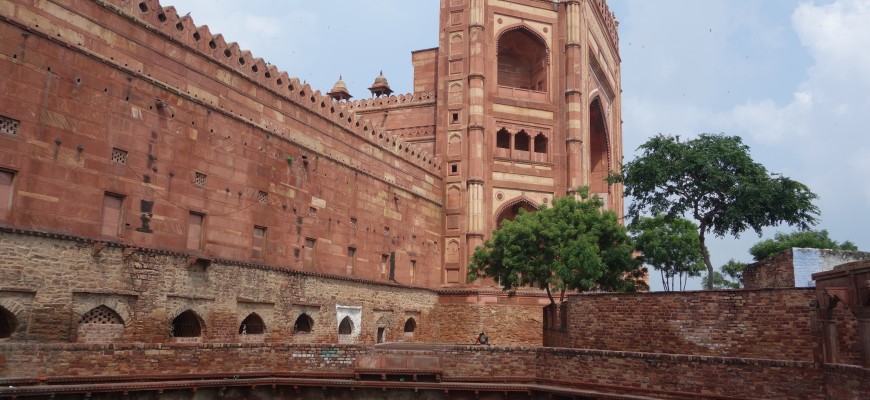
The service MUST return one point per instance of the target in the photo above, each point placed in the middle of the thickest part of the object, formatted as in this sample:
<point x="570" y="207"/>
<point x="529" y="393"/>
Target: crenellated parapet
<point x="402" y="100"/>
<point x="610" y="23"/>
<point x="182" y="29"/>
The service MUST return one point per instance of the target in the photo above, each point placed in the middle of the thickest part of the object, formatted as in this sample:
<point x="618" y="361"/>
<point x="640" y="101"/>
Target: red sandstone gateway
<point x="179" y="219"/>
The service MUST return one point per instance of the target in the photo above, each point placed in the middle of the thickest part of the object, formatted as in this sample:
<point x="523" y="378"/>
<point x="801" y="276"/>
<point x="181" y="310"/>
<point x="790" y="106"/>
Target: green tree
<point x="572" y="245"/>
<point x="713" y="180"/>
<point x="807" y="239"/>
<point x="719" y="282"/>
<point x="670" y="246"/>
<point x="732" y="273"/>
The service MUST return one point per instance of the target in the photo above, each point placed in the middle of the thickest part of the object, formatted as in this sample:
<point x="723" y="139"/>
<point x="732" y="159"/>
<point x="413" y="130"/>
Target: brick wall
<point x="773" y="272"/>
<point x="771" y="323"/>
<point x="507" y="321"/>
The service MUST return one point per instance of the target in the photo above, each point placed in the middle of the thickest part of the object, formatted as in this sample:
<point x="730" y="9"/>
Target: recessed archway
<point x="8" y="323"/>
<point x="523" y="60"/>
<point x="186" y="324"/>
<point x="599" y="152"/>
<point x="252" y="325"/>
<point x="510" y="210"/>
<point x="410" y="325"/>
<point x="345" y="327"/>
<point x="303" y="324"/>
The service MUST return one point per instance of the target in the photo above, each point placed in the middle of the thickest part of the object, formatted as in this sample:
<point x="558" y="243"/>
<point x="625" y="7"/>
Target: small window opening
<point x="196" y="36"/>
<point x="303" y="324"/>
<point x="259" y="241"/>
<point x="521" y="141"/>
<point x="541" y="143"/>
<point x="199" y="179"/>
<point x="262" y="197"/>
<point x="8" y="125"/>
<point x="161" y="17"/>
<point x="101" y="315"/>
<point x="185" y="324"/>
<point x="312" y="211"/>
<point x="353" y="222"/>
<point x="410" y="325"/>
<point x="345" y="327"/>
<point x="382" y="335"/>
<point x="119" y="156"/>
<point x="412" y="268"/>
<point x="252" y="325"/>
<point x="143" y="7"/>
<point x="8" y="323"/>
<point x="503" y="139"/>
<point x="454" y="118"/>
<point x="179" y="27"/>
<point x="454" y="168"/>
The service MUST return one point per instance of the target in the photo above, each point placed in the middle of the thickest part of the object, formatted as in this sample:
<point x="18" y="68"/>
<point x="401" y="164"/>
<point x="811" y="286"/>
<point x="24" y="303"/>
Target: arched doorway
<point x="598" y="149"/>
<point x="510" y="210"/>
<point x="522" y="60"/>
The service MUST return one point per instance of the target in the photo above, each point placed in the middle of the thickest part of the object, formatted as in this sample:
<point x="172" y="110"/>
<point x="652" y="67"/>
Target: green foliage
<point x="670" y="246"/>
<point x="806" y="239"/>
<point x="571" y="246"/>
<point x="713" y="179"/>
<point x="733" y="273"/>
<point x="719" y="282"/>
<point x="290" y="160"/>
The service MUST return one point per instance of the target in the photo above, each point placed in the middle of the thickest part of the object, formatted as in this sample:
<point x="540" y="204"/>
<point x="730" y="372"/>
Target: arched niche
<point x="523" y="60"/>
<point x="511" y="209"/>
<point x="186" y="324"/>
<point x="252" y="325"/>
<point x="303" y="324"/>
<point x="599" y="151"/>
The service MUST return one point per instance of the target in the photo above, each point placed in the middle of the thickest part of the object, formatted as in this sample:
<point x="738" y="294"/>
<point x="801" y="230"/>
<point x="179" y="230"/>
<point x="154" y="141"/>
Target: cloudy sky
<point x="792" y="78"/>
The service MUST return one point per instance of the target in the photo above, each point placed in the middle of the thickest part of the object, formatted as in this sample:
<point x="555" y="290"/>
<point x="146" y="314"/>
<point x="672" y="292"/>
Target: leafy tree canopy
<point x="807" y="239"/>
<point x="572" y="245"/>
<point x="732" y="273"/>
<point x="713" y="179"/>
<point x="670" y="246"/>
<point x="719" y="282"/>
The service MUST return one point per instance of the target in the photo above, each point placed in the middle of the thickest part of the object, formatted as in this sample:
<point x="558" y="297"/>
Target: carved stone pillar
<point x="574" y="98"/>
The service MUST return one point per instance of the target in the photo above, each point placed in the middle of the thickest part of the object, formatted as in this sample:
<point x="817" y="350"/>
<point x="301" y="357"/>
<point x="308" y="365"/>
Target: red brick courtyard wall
<point x="770" y="323"/>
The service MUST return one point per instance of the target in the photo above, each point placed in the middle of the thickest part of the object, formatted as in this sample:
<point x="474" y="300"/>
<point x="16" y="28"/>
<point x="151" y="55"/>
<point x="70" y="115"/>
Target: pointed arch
<point x="117" y="306"/>
<point x="8" y="323"/>
<point x="599" y="148"/>
<point x="523" y="59"/>
<point x="252" y="325"/>
<point x="186" y="324"/>
<point x="345" y="327"/>
<point x="304" y="324"/>
<point x="410" y="325"/>
<point x="510" y="209"/>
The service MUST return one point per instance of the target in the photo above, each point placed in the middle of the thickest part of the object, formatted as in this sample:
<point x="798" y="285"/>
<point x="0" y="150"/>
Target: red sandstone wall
<point x="773" y="272"/>
<point x="772" y="323"/>
<point x="181" y="106"/>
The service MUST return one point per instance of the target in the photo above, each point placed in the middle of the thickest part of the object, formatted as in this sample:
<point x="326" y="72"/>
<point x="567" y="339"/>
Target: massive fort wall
<point x="129" y="101"/>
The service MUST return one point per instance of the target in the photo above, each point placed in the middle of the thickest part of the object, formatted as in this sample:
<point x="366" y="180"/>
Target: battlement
<point x="200" y="39"/>
<point x="393" y="101"/>
<point x="610" y="23"/>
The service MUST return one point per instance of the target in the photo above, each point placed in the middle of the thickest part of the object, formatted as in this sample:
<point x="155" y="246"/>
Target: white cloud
<point x="838" y="35"/>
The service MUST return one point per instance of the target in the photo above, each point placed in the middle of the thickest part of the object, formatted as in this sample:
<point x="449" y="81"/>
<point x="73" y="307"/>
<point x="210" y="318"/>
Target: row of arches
<point x="521" y="145"/>
<point x="187" y="324"/>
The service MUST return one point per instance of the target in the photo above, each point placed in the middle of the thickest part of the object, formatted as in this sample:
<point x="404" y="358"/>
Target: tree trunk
<point x="550" y="295"/>
<point x="706" y="254"/>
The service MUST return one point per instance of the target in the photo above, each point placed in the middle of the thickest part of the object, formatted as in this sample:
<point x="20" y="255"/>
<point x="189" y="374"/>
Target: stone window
<point x="258" y="245"/>
<point x="521" y="141"/>
<point x="310" y="252"/>
<point x="345" y="327"/>
<point x="194" y="230"/>
<point x="186" y="324"/>
<point x="541" y="143"/>
<point x="412" y="268"/>
<point x="312" y="211"/>
<point x="113" y="210"/>
<point x="6" y="178"/>
<point x="119" y="156"/>
<point x="199" y="179"/>
<point x="410" y="325"/>
<point x="522" y="60"/>
<point x="262" y="197"/>
<point x="8" y="323"/>
<point x="351" y="260"/>
<point x="8" y="125"/>
<point x="353" y="222"/>
<point x="454" y="168"/>
<point x="101" y="315"/>
<point x="252" y="325"/>
<point x="503" y="139"/>
<point x="303" y="324"/>
<point x="384" y="259"/>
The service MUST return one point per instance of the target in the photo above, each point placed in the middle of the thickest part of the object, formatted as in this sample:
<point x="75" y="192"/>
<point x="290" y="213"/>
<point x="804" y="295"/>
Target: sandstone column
<point x="573" y="98"/>
<point x="476" y="133"/>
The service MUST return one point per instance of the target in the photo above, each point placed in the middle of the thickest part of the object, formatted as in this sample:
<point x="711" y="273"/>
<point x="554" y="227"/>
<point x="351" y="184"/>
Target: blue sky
<point x="792" y="78"/>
